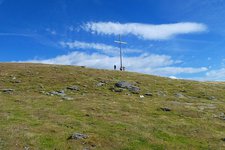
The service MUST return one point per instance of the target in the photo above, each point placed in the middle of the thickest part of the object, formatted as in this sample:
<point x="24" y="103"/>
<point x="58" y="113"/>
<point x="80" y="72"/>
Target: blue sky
<point x="182" y="39"/>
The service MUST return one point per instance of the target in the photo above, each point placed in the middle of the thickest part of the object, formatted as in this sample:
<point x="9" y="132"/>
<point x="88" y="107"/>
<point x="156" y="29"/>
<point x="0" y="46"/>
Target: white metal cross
<point x="121" y="58"/>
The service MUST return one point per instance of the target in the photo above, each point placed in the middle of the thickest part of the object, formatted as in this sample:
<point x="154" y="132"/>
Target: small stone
<point x="100" y="84"/>
<point x="212" y="98"/>
<point x="73" y="88"/>
<point x="148" y="94"/>
<point x="222" y="116"/>
<point x="26" y="148"/>
<point x="77" y="136"/>
<point x="117" y="90"/>
<point x="58" y="93"/>
<point x="134" y="89"/>
<point x="7" y="90"/>
<point x="165" y="109"/>
<point x="161" y="93"/>
<point x="67" y="98"/>
<point x="179" y="95"/>
<point x="142" y="96"/>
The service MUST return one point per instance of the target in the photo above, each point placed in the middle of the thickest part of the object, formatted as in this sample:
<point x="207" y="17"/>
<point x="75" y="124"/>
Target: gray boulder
<point x="148" y="94"/>
<point x="129" y="86"/>
<point x="165" y="109"/>
<point x="77" y="136"/>
<point x="161" y="93"/>
<point x="57" y="93"/>
<point x="7" y="90"/>
<point x="100" y="84"/>
<point x="134" y="89"/>
<point x="179" y="95"/>
<point x="123" y="84"/>
<point x="212" y="98"/>
<point x="73" y="88"/>
<point x="67" y="98"/>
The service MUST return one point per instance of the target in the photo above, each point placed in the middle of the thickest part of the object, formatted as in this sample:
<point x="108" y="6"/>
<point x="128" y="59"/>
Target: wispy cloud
<point x="16" y="34"/>
<point x="147" y="63"/>
<point x="144" y="31"/>
<point x="178" y="70"/>
<point x="100" y="47"/>
<point x="216" y="75"/>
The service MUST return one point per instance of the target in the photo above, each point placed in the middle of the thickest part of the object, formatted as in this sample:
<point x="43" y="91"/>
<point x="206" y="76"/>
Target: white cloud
<point x="147" y="63"/>
<point x="144" y="31"/>
<point x="52" y="32"/>
<point x="216" y="75"/>
<point x="178" y="70"/>
<point x="107" y="49"/>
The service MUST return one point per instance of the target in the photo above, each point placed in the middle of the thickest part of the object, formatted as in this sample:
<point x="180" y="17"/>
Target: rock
<point x="123" y="84"/>
<point x="148" y="94"/>
<point x="223" y="139"/>
<point x="142" y="96"/>
<point x="77" y="136"/>
<point x="7" y="90"/>
<point x="73" y="88"/>
<point x="134" y="89"/>
<point x="161" y="93"/>
<point x="15" y="81"/>
<point x="183" y="90"/>
<point x="100" y="84"/>
<point x="67" y="98"/>
<point x="117" y="90"/>
<point x="179" y="95"/>
<point x="129" y="86"/>
<point x="222" y="116"/>
<point x="58" y="93"/>
<point x="165" y="109"/>
<point x="212" y="98"/>
<point x="26" y="148"/>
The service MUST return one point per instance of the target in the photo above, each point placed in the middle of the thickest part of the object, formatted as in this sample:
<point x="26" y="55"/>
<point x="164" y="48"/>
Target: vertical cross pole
<point x="121" y="57"/>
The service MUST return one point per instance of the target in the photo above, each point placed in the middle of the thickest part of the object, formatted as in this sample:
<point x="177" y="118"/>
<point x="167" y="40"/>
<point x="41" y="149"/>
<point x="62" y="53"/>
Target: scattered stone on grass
<point x="165" y="109"/>
<point x="179" y="95"/>
<point x="26" y="148"/>
<point x="57" y="93"/>
<point x="161" y="93"/>
<point x="126" y="85"/>
<point x="142" y="96"/>
<point x="148" y="94"/>
<point x="123" y="84"/>
<point x="73" y="88"/>
<point x="67" y="98"/>
<point x="222" y="116"/>
<point x="8" y="91"/>
<point x="15" y="81"/>
<point x="117" y="90"/>
<point x="100" y="84"/>
<point x="77" y="136"/>
<point x="134" y="89"/>
<point x="212" y="98"/>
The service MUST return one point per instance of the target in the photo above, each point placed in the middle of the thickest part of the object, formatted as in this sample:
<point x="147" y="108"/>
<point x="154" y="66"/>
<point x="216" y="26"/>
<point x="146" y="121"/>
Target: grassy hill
<point x="41" y="106"/>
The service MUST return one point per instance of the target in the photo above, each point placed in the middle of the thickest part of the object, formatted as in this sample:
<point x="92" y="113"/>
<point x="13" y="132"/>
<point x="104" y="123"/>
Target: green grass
<point x="120" y="121"/>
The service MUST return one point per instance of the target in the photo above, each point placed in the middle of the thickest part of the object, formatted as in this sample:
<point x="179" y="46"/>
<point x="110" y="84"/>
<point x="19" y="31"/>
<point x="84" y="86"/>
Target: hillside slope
<point x="46" y="106"/>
